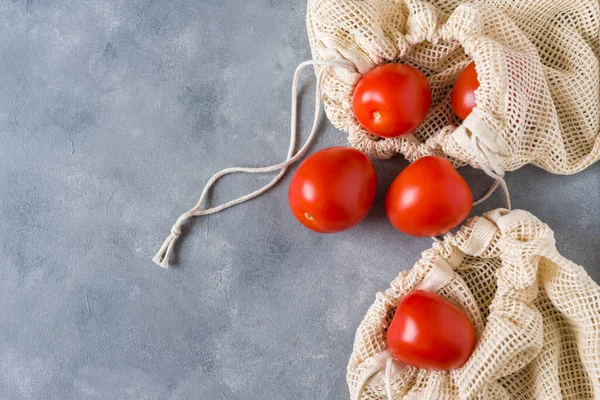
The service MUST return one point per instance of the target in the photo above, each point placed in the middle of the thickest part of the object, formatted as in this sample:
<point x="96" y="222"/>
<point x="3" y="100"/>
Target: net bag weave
<point x="537" y="62"/>
<point x="536" y="314"/>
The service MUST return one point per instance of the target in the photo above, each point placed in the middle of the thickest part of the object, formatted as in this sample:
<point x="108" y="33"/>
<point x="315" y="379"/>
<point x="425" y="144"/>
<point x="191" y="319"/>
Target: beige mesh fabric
<point x="537" y="63"/>
<point x="536" y="314"/>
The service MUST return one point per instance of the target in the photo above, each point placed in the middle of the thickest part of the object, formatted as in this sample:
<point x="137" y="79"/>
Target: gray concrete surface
<point x="113" y="114"/>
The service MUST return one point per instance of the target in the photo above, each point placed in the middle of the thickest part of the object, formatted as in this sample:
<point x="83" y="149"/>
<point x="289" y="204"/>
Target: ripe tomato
<point x="428" y="198"/>
<point x="430" y="332"/>
<point x="462" y="97"/>
<point x="392" y="100"/>
<point x="333" y="189"/>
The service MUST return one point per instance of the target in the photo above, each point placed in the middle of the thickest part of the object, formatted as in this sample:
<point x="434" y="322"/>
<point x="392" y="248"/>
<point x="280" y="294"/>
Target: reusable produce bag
<point x="536" y="60"/>
<point x="536" y="314"/>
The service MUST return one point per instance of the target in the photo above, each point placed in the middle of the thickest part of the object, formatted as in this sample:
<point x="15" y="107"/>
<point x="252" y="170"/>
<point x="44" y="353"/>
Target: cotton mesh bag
<point x="536" y="315"/>
<point x="536" y="61"/>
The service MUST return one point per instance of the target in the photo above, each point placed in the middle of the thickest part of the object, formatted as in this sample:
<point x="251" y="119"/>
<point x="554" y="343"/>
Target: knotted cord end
<point x="164" y="254"/>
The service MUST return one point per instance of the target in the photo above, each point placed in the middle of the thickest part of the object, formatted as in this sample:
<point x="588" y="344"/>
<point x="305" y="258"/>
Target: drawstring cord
<point x="485" y="160"/>
<point x="388" y="379"/>
<point x="164" y="254"/>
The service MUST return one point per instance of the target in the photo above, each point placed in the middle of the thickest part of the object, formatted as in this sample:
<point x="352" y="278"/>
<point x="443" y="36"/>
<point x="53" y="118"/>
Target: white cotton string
<point x="486" y="159"/>
<point x="388" y="379"/>
<point x="487" y="194"/>
<point x="164" y="254"/>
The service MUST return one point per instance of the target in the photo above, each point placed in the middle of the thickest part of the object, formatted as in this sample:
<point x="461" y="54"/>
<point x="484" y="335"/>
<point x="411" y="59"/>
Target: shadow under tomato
<point x="387" y="171"/>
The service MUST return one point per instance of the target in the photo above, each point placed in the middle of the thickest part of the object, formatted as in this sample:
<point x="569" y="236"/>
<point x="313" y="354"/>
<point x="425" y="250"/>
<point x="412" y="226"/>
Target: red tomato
<point x="392" y="100"/>
<point x="333" y="189"/>
<point x="462" y="97"/>
<point x="428" y="198"/>
<point x="430" y="332"/>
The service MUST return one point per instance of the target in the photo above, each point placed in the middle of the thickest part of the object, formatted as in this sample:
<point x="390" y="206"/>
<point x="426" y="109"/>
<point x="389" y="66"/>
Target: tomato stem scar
<point x="308" y="216"/>
<point x="376" y="115"/>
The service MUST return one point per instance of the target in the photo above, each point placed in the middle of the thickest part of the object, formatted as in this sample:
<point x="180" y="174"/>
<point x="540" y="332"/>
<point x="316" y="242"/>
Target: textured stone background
<point x="113" y="114"/>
